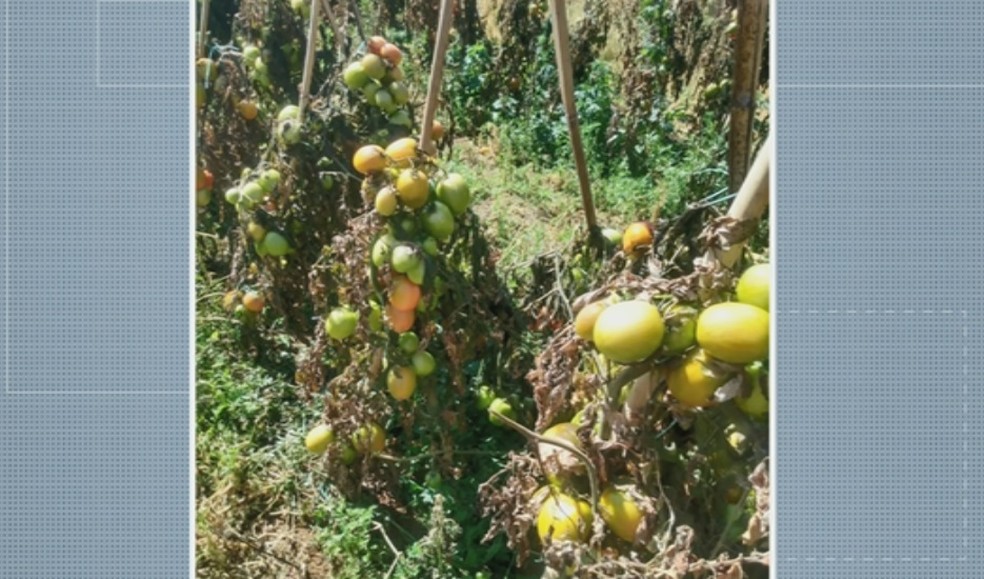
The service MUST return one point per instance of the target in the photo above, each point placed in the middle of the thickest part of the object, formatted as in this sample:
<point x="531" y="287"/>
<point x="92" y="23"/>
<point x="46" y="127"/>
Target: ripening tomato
<point x="401" y="382"/>
<point x="369" y="439"/>
<point x="413" y="188"/>
<point x="369" y="159"/>
<point x="254" y="302"/>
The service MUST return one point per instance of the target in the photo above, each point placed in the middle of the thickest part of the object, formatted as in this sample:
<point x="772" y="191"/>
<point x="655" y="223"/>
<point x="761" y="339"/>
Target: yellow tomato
<point x="563" y="518"/>
<point x="584" y="323"/>
<point x="413" y="188"/>
<point x="402" y="151"/>
<point x="693" y="382"/>
<point x="628" y="331"/>
<point x="318" y="439"/>
<point x="620" y="512"/>
<point x="369" y="159"/>
<point x="753" y="286"/>
<point x="734" y="332"/>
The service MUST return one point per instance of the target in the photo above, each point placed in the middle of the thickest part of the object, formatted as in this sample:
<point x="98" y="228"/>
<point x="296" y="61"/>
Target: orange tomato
<point x="248" y="110"/>
<point x="437" y="130"/>
<point x="636" y="235"/>
<point x="400" y="320"/>
<point x="376" y="43"/>
<point x="404" y="294"/>
<point x="391" y="53"/>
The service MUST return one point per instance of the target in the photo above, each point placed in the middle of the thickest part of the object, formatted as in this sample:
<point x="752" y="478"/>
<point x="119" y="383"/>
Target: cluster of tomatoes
<point x="418" y="205"/>
<point x="378" y="76"/>
<point x="699" y="351"/>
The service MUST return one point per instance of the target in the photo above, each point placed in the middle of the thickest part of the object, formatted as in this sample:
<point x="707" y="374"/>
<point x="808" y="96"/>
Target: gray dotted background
<point x="94" y="419"/>
<point x="878" y="225"/>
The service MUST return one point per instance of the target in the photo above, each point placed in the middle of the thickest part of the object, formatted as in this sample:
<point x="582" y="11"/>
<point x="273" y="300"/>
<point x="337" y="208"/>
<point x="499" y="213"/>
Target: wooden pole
<point x="436" y="76"/>
<point x="309" y="57"/>
<point x="203" y="28"/>
<point x="752" y="198"/>
<point x="752" y="16"/>
<point x="558" y="15"/>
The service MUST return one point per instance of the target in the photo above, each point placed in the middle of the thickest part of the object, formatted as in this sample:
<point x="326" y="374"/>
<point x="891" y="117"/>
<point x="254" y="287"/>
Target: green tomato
<point x="380" y="252"/>
<point x="400" y="93"/>
<point x="341" y="323"/>
<point x="375" y="317"/>
<point x="355" y="76"/>
<point x="416" y="275"/>
<point x="438" y="221"/>
<point x="404" y="258"/>
<point x="253" y="192"/>
<point x="401" y="118"/>
<point x="269" y="179"/>
<point x="327" y="182"/>
<point x="430" y="246"/>
<point x="384" y="99"/>
<point x="485" y="396"/>
<point x="275" y="244"/>
<point x="423" y="363"/>
<point x="251" y="52"/>
<point x="503" y="407"/>
<point x="289" y="132"/>
<point x="409" y="342"/>
<point x="203" y="197"/>
<point x="373" y="66"/>
<point x="289" y="112"/>
<point x="233" y="196"/>
<point x="612" y="236"/>
<point x="453" y="191"/>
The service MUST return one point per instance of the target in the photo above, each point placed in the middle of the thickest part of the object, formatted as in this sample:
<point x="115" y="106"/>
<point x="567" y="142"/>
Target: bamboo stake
<point x="437" y="75"/>
<point x="752" y="15"/>
<point x="558" y="15"/>
<point x="309" y="58"/>
<point x="751" y="200"/>
<point x="203" y="28"/>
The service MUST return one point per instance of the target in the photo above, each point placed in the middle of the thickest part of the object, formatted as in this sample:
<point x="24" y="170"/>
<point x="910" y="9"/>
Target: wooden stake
<point x="752" y="15"/>
<point x="309" y="57"/>
<point x="203" y="28"/>
<point x="558" y="15"/>
<point x="752" y="198"/>
<point x="436" y="76"/>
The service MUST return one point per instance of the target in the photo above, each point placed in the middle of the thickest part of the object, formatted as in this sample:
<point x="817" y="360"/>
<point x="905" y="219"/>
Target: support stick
<point x="203" y="28"/>
<point x="437" y="75"/>
<point x="752" y="198"/>
<point x="558" y="15"/>
<point x="752" y="15"/>
<point x="309" y="57"/>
